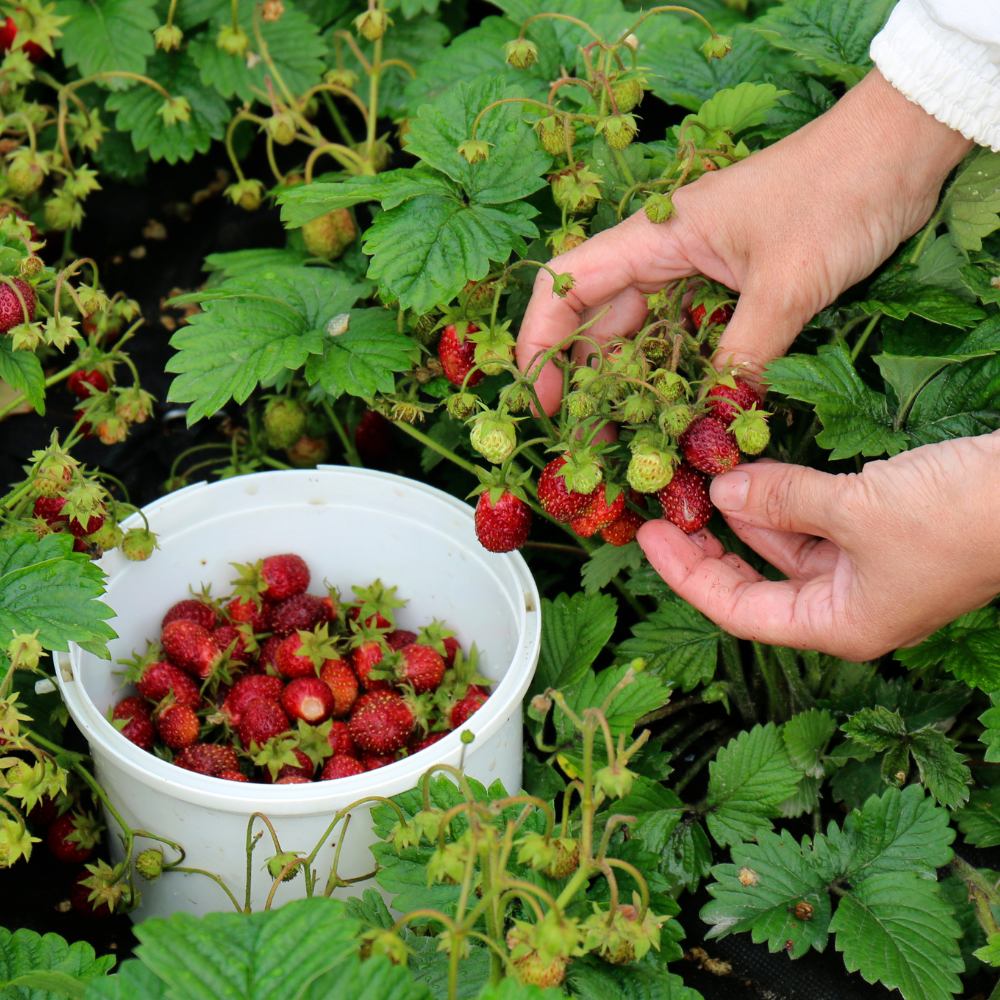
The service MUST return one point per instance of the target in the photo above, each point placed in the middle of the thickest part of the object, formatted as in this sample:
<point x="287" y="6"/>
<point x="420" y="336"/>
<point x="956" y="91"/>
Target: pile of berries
<point x="277" y="685"/>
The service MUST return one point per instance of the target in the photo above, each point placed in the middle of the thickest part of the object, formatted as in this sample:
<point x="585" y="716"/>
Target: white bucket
<point x="351" y="526"/>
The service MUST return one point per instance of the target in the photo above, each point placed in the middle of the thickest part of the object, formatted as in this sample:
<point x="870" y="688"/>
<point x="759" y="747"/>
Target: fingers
<point x="788" y="498"/>
<point x="796" y="555"/>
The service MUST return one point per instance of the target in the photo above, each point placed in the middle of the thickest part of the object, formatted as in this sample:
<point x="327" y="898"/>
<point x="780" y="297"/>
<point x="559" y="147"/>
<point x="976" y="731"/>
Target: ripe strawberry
<point x="248" y="689"/>
<point x="427" y="741"/>
<point x="32" y="50"/>
<point x="418" y="666"/>
<point x="82" y="383"/>
<point x="722" y="315"/>
<point x="232" y="776"/>
<point x="368" y="648"/>
<point x="44" y="811"/>
<point x="12" y="313"/>
<point x="598" y="513"/>
<point x="285" y="576"/>
<point x="242" y="611"/>
<point x="438" y="635"/>
<point x="208" y="758"/>
<point x="622" y="531"/>
<point x="743" y="394"/>
<point x="86" y="428"/>
<point x="458" y="356"/>
<point x="373" y="438"/>
<point x="138" y="727"/>
<point x="553" y="494"/>
<point x="191" y="611"/>
<point x="309" y="699"/>
<point x="340" y="742"/>
<point x="191" y="647"/>
<point x="49" y="509"/>
<point x="382" y="721"/>
<point x="293" y="779"/>
<point x="54" y="474"/>
<point x="502" y="526"/>
<point x="341" y="767"/>
<point x="73" y="837"/>
<point x="459" y="712"/>
<point x="294" y="658"/>
<point x="267" y="658"/>
<point x="708" y="446"/>
<point x="376" y="604"/>
<point x="303" y="612"/>
<point x="261" y="720"/>
<point x="340" y="678"/>
<point x="685" y="499"/>
<point x="399" y="638"/>
<point x="178" y="726"/>
<point x="226" y="636"/>
<point x="303" y="769"/>
<point x="162" y="678"/>
<point x="373" y="761"/>
<point x="92" y="523"/>
<point x="79" y="894"/>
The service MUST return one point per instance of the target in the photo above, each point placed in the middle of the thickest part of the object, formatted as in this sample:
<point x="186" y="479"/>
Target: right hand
<point x="789" y="228"/>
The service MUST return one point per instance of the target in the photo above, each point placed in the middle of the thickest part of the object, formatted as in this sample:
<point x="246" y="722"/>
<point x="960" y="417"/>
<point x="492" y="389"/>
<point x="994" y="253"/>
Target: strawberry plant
<point x="428" y="163"/>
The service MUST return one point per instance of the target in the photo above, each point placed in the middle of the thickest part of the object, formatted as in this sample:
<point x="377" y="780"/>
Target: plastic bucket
<point x="351" y="526"/>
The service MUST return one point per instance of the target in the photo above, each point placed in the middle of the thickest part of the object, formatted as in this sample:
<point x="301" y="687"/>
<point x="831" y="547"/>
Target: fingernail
<point x="729" y="491"/>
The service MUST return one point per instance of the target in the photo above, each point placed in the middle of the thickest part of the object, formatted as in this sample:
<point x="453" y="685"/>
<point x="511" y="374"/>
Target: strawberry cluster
<point x="280" y="686"/>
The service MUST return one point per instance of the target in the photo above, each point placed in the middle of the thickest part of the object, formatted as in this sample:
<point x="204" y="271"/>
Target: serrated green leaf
<point x="574" y="630"/>
<point x="688" y="856"/>
<point x="592" y="979"/>
<point x="909" y="375"/>
<point x="979" y="821"/>
<point x="973" y="201"/>
<point x="45" y="984"/>
<point x="137" y="111"/>
<point x="253" y="328"/>
<point x="448" y="243"/>
<point x="760" y="889"/>
<point x="246" y="263"/>
<point x="361" y="361"/>
<point x="990" y="952"/>
<point x="606" y="562"/>
<point x="876" y="728"/>
<point x="964" y="401"/>
<point x="57" y="968"/>
<point x="941" y="264"/>
<point x="748" y="779"/>
<point x="117" y="158"/>
<point x="105" y="36"/>
<point x="990" y="736"/>
<point x="806" y="736"/>
<point x="805" y="799"/>
<point x="804" y="99"/>
<point x="44" y="585"/>
<point x="738" y="108"/>
<point x="979" y="278"/>
<point x="855" y="418"/>
<point x="230" y="956"/>
<point x="895" y="929"/>
<point x="514" y="167"/>
<point x="376" y="978"/>
<point x="131" y="981"/>
<point x="941" y="766"/>
<point x="969" y="648"/>
<point x="677" y="642"/>
<point x="657" y="811"/>
<point x="22" y="371"/>
<point x="835" y="36"/>
<point x="900" y="298"/>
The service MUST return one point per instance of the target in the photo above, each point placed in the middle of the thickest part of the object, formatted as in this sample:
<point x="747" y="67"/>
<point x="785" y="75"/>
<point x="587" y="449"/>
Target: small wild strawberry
<point x="191" y="647"/>
<point x="339" y="677"/>
<point x="248" y="689"/>
<point x="502" y="526"/>
<point x="73" y="837"/>
<point x="12" y="311"/>
<point x="161" y="678"/>
<point x="708" y="446"/>
<point x="417" y="666"/>
<point x="261" y="720"/>
<point x="178" y="726"/>
<point x="341" y="767"/>
<point x="556" y="497"/>
<point x="339" y="740"/>
<point x="382" y="721"/>
<point x="623" y="531"/>
<point x="303" y="612"/>
<point x="373" y="438"/>
<point x="457" y="353"/>
<point x="208" y="758"/>
<point x="720" y="316"/>
<point x="242" y="611"/>
<point x="82" y="383"/>
<point x="138" y="722"/>
<point x="196" y="611"/>
<point x="598" y="513"/>
<point x="721" y="397"/>
<point x="309" y="699"/>
<point x="685" y="499"/>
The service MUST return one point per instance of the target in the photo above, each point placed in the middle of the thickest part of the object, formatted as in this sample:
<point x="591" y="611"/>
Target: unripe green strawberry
<point x="650" y="468"/>
<point x="281" y="128"/>
<point x="232" y="41"/>
<point x="480" y="295"/>
<point x="576" y="192"/>
<point x="658" y="207"/>
<point x="750" y="430"/>
<point x="517" y="397"/>
<point x="54" y="474"/>
<point x="669" y="384"/>
<point x="138" y="544"/>
<point x="557" y="134"/>
<point x="107" y="536"/>
<point x="580" y="405"/>
<point x="62" y="212"/>
<point x="308" y="452"/>
<point x="381" y="154"/>
<point x="628" y="94"/>
<point x="566" y="239"/>
<point x="494" y="350"/>
<point x="462" y="404"/>
<point x="247" y="194"/>
<point x="424" y="330"/>
<point x="494" y="437"/>
<point x="284" y="422"/>
<point x="167" y="37"/>
<point x="675" y="420"/>
<point x="134" y="405"/>
<point x="638" y="409"/>
<point x="474" y="151"/>
<point x="345" y="78"/>
<point x="149" y="864"/>
<point x="330" y="235"/>
<point x="25" y="173"/>
<point x="371" y="24"/>
<point x="112" y="429"/>
<point x="521" y="53"/>
<point x="618" y="130"/>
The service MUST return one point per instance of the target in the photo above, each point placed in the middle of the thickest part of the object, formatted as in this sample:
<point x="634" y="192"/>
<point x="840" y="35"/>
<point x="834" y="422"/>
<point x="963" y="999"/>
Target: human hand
<point x="789" y="228"/>
<point x="874" y="561"/>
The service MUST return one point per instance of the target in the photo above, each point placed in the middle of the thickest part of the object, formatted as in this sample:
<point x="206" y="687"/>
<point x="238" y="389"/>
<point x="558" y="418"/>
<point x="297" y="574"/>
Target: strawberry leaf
<point x="972" y="202"/>
<point x="606" y="562"/>
<point x="688" y="855"/>
<point x="961" y="402"/>
<point x="593" y="979"/>
<point x="969" y="648"/>
<point x="803" y="100"/>
<point x="575" y="629"/>
<point x="24" y="953"/>
<point x="246" y="263"/>
<point x="990" y="736"/>
<point x="22" y="371"/>
<point x="806" y="736"/>
<point x="979" y="821"/>
<point x="108" y="36"/>
<point x="738" y="108"/>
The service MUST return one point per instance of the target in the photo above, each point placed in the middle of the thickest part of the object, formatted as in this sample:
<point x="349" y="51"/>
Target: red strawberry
<point x="558" y="500"/>
<point x="44" y="811"/>
<point x="301" y="612"/>
<point x="369" y="648"/>
<point x="427" y="741"/>
<point x="340" y="740"/>
<point x="598" y="514"/>
<point x="303" y="769"/>
<point x="460" y="711"/>
<point x="373" y="761"/>
<point x="294" y="779"/>
<point x="341" y="767"/>
<point x="381" y="722"/>
<point x="291" y="661"/>
<point x="139" y="726"/>
<point x="12" y="313"/>
<point x="82" y="383"/>
<point x="191" y="611"/>
<point x="442" y="639"/>
<point x="248" y="689"/>
<point x="268" y="656"/>
<point x="376" y="620"/>
<point x="261" y="720"/>
<point x="459" y="357"/>
<point x="178" y="726"/>
<point x="73" y="837"/>
<point x="86" y="428"/>
<point x="421" y="667"/>
<point x="377" y="603"/>
<point x="49" y="509"/>
<point x="372" y="438"/>
<point x="93" y="523"/>
<point x="744" y="395"/>
<point x="502" y="526"/>
<point x="285" y="576"/>
<point x="79" y="894"/>
<point x="247" y="612"/>
<point x="35" y="53"/>
<point x="309" y="699"/>
<point x="162" y="678"/>
<point x="721" y="315"/>
<point x="208" y="758"/>
<point x="399" y="638"/>
<point x="228" y="635"/>
<point x="685" y="499"/>
<point x="343" y="684"/>
<point x="622" y="531"/>
<point x="708" y="446"/>
<point x="232" y="776"/>
<point x="191" y="647"/>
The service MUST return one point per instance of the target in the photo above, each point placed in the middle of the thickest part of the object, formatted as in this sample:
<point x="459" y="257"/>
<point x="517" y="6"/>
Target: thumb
<point x="782" y="497"/>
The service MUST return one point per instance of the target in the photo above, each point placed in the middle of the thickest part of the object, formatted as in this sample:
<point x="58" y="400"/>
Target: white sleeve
<point x="945" y="56"/>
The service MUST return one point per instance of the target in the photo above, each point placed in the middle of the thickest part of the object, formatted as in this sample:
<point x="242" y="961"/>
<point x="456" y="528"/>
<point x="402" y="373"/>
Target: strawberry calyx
<point x="498" y="481"/>
<point x="250" y="583"/>
<point x="375" y="601"/>
<point x="276" y="753"/>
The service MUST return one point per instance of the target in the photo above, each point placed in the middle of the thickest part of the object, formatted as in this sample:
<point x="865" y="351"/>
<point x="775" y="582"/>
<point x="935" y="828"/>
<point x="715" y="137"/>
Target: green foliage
<point x="979" y="821"/>
<point x="973" y="200"/>
<point x="968" y="648"/>
<point x="607" y="562"/>
<point x="43" y="966"/>
<point x="574" y="630"/>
